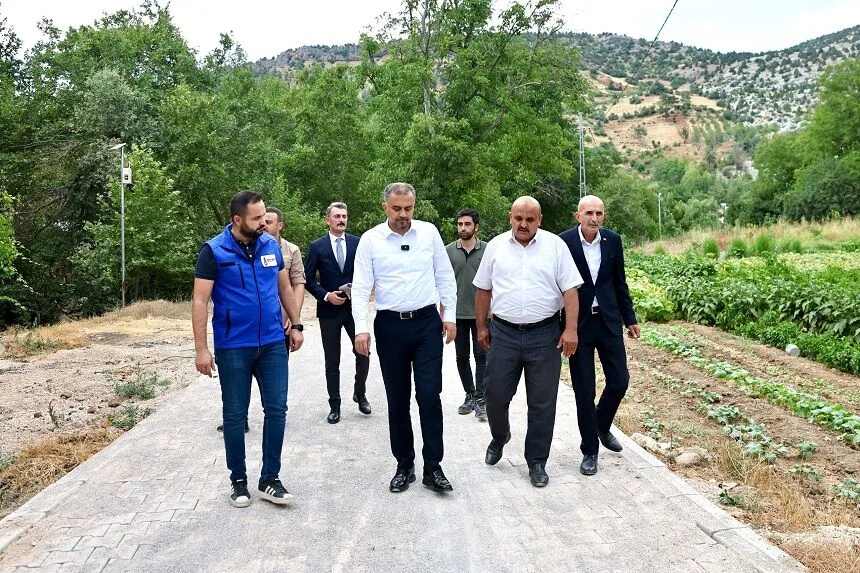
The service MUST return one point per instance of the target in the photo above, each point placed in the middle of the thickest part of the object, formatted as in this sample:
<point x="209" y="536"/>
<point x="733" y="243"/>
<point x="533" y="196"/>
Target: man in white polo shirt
<point x="527" y="276"/>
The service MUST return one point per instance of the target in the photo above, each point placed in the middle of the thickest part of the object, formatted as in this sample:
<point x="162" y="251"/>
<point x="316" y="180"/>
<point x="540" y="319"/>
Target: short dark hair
<point x="277" y="212"/>
<point x="468" y="213"/>
<point x="240" y="201"/>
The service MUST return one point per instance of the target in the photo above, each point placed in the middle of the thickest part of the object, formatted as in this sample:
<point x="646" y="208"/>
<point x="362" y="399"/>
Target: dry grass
<point x="837" y="231"/>
<point x="825" y="557"/>
<point x="20" y="342"/>
<point x="43" y="463"/>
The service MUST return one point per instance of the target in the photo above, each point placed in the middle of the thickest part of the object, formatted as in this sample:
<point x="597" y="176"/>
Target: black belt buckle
<point x="406" y="315"/>
<point x="595" y="310"/>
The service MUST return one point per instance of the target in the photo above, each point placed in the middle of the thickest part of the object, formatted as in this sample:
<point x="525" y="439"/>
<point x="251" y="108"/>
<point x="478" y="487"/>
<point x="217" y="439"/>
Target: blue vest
<point x="247" y="309"/>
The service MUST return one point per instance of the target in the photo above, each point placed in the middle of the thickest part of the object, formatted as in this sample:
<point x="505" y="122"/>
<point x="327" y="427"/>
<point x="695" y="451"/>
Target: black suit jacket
<point x="611" y="290"/>
<point x="320" y="260"/>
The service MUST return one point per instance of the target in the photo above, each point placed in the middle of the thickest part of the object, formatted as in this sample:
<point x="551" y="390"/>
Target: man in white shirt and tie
<point x="405" y="260"/>
<point x="526" y="277"/>
<point x="332" y="257"/>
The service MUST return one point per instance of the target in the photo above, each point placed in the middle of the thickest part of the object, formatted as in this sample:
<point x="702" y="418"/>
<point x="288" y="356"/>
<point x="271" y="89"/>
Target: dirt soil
<point x="72" y="390"/>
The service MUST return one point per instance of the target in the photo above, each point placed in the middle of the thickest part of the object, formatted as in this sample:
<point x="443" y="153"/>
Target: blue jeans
<point x="268" y="364"/>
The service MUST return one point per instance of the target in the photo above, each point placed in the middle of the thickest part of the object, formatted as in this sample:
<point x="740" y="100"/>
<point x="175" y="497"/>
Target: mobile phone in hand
<point x="340" y="294"/>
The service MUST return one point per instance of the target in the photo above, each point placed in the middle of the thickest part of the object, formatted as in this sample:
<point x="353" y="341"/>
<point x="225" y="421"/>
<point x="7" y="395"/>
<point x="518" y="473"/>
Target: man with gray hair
<point x="606" y="309"/>
<point x="405" y="260"/>
<point x="332" y="257"/>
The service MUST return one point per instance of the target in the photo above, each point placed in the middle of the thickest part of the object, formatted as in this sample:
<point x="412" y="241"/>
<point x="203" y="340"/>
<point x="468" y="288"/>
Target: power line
<point x="641" y="61"/>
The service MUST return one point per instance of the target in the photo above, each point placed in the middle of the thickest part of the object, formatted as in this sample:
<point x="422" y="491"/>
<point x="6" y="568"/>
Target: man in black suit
<point x="605" y="308"/>
<point x="333" y="258"/>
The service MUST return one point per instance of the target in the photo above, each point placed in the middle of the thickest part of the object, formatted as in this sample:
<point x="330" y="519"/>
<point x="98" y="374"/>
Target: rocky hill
<point x="777" y="87"/>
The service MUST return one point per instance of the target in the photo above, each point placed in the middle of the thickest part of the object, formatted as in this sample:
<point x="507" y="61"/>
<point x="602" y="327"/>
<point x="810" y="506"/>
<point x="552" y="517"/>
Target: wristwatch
<point x="299" y="327"/>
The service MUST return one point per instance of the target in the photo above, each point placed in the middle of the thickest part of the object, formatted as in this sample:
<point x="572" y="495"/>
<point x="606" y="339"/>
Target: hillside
<point x="776" y="87"/>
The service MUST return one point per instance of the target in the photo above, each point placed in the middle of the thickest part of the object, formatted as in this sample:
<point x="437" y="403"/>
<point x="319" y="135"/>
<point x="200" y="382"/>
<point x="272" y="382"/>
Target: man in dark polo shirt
<point x="465" y="254"/>
<point x="242" y="271"/>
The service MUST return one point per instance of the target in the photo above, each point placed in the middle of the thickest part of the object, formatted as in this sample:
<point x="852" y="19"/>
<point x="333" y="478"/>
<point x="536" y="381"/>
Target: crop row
<point x="806" y="405"/>
<point x="748" y="433"/>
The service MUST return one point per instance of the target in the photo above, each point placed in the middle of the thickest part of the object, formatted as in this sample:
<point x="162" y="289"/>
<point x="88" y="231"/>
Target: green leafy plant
<point x="143" y="386"/>
<point x="848" y="490"/>
<point x="806" y="448"/>
<point x="807" y="471"/>
<point x="710" y="248"/>
<point x="129" y="417"/>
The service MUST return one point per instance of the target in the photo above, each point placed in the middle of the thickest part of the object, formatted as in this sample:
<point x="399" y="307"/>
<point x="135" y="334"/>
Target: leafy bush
<point x="738" y="249"/>
<point x="650" y="301"/>
<point x="763" y="244"/>
<point x="790" y="246"/>
<point x="709" y="247"/>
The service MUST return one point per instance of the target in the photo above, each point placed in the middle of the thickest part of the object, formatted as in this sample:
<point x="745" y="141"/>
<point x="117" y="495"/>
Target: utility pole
<point x="581" y="159"/>
<point x="122" y="180"/>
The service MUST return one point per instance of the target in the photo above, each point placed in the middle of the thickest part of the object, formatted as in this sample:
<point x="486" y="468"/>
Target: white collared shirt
<point x="592" y="257"/>
<point x="333" y="241"/>
<point x="527" y="283"/>
<point x="404" y="279"/>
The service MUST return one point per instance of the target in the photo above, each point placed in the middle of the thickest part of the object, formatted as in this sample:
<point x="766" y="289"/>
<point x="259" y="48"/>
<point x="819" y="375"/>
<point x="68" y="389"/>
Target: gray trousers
<point x="513" y="351"/>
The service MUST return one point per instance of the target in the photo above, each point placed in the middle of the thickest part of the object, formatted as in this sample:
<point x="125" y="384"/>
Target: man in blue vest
<point x="242" y="271"/>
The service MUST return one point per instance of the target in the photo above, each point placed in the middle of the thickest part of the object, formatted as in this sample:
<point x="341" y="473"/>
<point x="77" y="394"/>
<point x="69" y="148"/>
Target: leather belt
<point x="532" y="325"/>
<point x="408" y="315"/>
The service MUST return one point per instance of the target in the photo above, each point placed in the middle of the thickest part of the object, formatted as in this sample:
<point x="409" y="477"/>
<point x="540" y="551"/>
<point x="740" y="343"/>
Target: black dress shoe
<point x="437" y="481"/>
<point x="538" y="475"/>
<point x="494" y="451"/>
<point x="334" y="416"/>
<point x="402" y="479"/>
<point x="588" y="466"/>
<point x="609" y="441"/>
<point x="363" y="404"/>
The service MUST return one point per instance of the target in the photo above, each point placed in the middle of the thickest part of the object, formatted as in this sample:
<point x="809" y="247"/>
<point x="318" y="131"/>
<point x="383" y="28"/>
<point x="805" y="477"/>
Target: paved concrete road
<point x="156" y="500"/>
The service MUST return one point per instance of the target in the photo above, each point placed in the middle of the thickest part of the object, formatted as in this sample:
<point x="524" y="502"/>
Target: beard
<point x="466" y="235"/>
<point x="250" y="233"/>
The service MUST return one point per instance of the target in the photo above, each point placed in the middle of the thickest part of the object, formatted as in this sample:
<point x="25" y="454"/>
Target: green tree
<point x="160" y="252"/>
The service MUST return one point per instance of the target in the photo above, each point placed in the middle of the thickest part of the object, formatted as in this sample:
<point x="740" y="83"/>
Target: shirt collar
<point x="512" y="238"/>
<point x="460" y="246"/>
<point x="586" y="243"/>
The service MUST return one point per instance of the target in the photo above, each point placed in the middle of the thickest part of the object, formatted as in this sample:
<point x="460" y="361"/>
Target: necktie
<point x="339" y="252"/>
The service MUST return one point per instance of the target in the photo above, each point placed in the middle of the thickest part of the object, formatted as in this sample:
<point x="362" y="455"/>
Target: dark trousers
<point x="595" y="335"/>
<point x="330" y="331"/>
<point x="511" y="352"/>
<point x="268" y="364"/>
<point x="404" y="345"/>
<point x="467" y="332"/>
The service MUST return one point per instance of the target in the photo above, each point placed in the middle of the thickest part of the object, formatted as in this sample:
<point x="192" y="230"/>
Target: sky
<point x="265" y="28"/>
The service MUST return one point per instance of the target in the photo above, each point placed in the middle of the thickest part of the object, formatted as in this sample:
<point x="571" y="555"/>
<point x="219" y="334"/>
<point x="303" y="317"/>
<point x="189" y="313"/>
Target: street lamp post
<point x="121" y="147"/>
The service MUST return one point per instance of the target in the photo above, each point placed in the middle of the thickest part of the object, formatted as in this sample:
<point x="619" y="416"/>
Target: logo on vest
<point x="269" y="261"/>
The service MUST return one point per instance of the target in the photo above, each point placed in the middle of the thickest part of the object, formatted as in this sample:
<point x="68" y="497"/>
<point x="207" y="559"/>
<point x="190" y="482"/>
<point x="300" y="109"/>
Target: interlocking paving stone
<point x="156" y="499"/>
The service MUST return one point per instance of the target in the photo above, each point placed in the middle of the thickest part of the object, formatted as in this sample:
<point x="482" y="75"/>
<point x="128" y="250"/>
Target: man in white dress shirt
<point x="528" y="276"/>
<point x="405" y="260"/>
